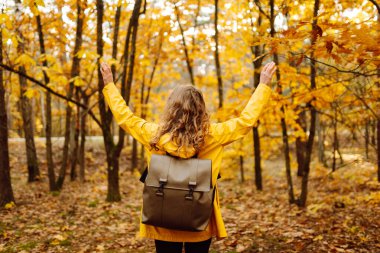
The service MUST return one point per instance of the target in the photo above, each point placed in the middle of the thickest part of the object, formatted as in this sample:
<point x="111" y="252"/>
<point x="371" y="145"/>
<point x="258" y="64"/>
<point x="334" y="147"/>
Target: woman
<point x="185" y="130"/>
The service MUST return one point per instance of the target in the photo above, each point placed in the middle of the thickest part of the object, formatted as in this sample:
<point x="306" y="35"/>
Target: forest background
<point x="306" y="178"/>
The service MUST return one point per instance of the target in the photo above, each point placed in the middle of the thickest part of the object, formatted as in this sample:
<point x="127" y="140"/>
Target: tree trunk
<point x="134" y="161"/>
<point x="256" y="148"/>
<point x="26" y="112"/>
<point x="309" y="146"/>
<point x="48" y="116"/>
<point x="115" y="39"/>
<point x="43" y="113"/>
<point x="321" y="141"/>
<point x="75" y="150"/>
<point x="112" y="151"/>
<point x="300" y="143"/>
<point x="377" y="5"/>
<point x="127" y="76"/>
<point x="82" y="152"/>
<point x="145" y="99"/>
<point x="335" y="140"/>
<point x="373" y="134"/>
<point x="217" y="61"/>
<point x="75" y="69"/>
<point x="6" y="192"/>
<point x="366" y="138"/>
<point x="285" y="139"/>
<point x="242" y="178"/>
<point x="187" y="57"/>
<point x="378" y="149"/>
<point x="257" y="51"/>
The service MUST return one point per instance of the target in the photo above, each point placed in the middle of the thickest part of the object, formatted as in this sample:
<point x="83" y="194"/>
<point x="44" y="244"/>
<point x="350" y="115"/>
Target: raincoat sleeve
<point x="234" y="129"/>
<point x="139" y="128"/>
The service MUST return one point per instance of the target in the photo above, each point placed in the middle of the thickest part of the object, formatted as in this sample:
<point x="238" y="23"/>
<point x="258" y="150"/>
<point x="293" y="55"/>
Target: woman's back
<point x="184" y="132"/>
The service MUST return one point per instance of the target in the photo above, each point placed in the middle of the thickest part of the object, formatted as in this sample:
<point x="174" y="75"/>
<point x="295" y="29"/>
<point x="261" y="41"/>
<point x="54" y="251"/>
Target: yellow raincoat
<point x="220" y="135"/>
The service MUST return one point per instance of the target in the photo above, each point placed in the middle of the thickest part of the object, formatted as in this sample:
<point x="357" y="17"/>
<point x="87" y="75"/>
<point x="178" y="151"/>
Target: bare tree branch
<point x="51" y="91"/>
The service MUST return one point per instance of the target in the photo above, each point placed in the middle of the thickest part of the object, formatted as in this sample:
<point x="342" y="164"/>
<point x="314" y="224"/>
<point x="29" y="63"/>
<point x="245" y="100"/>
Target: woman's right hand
<point x="267" y="73"/>
<point x="106" y="71"/>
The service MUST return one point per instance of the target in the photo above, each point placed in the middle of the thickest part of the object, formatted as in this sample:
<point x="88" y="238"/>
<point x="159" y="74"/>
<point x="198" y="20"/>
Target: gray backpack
<point x="178" y="193"/>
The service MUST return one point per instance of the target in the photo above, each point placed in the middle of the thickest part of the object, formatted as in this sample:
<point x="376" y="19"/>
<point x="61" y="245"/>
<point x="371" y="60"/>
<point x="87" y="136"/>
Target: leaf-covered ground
<point x="343" y="213"/>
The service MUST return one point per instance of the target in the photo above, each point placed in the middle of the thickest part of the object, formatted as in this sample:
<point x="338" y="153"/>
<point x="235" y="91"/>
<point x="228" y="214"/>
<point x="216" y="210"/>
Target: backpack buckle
<point x="160" y="190"/>
<point x="190" y="195"/>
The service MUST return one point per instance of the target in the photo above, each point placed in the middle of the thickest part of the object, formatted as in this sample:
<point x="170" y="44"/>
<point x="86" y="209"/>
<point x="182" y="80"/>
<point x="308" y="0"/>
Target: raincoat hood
<point x="172" y="148"/>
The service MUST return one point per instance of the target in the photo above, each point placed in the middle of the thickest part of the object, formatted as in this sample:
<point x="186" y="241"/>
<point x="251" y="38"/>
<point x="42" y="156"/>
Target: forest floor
<point x="343" y="212"/>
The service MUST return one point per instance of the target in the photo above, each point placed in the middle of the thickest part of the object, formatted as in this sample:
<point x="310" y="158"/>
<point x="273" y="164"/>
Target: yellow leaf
<point x="78" y="81"/>
<point x="40" y="3"/>
<point x="60" y="237"/>
<point x="10" y="205"/>
<point x="71" y="16"/>
<point x="25" y="59"/>
<point x="54" y="242"/>
<point x="29" y="93"/>
<point x="318" y="238"/>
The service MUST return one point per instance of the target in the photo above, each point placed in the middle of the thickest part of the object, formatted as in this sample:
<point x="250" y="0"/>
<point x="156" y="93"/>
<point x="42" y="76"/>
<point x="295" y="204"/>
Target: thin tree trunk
<point x="300" y="143"/>
<point x="82" y="152"/>
<point x="6" y="191"/>
<point x="74" y="73"/>
<point x="366" y="138"/>
<point x="26" y="112"/>
<point x="145" y="99"/>
<point x="113" y="193"/>
<point x="242" y="178"/>
<point x="112" y="151"/>
<point x="378" y="110"/>
<point x="75" y="149"/>
<point x="43" y="113"/>
<point x="309" y="146"/>
<point x="187" y="57"/>
<point x="378" y="149"/>
<point x="134" y="161"/>
<point x="335" y="140"/>
<point x="116" y="38"/>
<point x="131" y="64"/>
<point x="321" y="142"/>
<point x="217" y="60"/>
<point x="256" y="51"/>
<point x="285" y="138"/>
<point x="48" y="114"/>
<point x="373" y="134"/>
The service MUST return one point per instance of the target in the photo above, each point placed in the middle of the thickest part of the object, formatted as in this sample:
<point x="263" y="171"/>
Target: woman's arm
<point x="234" y="129"/>
<point x="139" y="128"/>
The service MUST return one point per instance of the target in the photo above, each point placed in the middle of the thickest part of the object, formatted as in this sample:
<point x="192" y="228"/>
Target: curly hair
<point x="185" y="118"/>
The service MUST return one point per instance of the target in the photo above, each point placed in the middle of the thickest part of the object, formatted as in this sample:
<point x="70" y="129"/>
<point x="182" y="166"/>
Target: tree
<point x="48" y="127"/>
<point x="216" y="55"/>
<point x="377" y="5"/>
<point x="285" y="136"/>
<point x="75" y="68"/>
<point x="26" y="110"/>
<point x="313" y="112"/>
<point x="6" y="191"/>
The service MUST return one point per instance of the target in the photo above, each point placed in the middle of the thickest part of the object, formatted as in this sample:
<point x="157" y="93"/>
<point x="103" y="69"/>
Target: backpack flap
<point x="179" y="174"/>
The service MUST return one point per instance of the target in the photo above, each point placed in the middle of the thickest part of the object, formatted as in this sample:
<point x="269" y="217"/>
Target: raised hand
<point x="105" y="69"/>
<point x="267" y="73"/>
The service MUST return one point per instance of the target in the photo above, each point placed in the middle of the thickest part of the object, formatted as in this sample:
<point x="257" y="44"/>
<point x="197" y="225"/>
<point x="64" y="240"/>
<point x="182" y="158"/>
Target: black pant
<point x="176" y="247"/>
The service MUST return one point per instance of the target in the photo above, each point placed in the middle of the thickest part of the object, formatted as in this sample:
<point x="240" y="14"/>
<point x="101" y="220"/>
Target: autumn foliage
<point x="307" y="172"/>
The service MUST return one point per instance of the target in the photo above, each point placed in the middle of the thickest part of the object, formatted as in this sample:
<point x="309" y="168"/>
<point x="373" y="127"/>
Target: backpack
<point x="178" y="193"/>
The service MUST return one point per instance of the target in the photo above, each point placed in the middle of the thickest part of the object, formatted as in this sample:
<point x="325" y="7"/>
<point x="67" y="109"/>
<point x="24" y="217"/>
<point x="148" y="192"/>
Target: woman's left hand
<point x="106" y="71"/>
<point x="267" y="73"/>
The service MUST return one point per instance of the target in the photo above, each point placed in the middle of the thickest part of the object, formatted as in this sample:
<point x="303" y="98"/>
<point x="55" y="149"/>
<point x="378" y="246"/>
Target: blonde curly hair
<point x="185" y="118"/>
